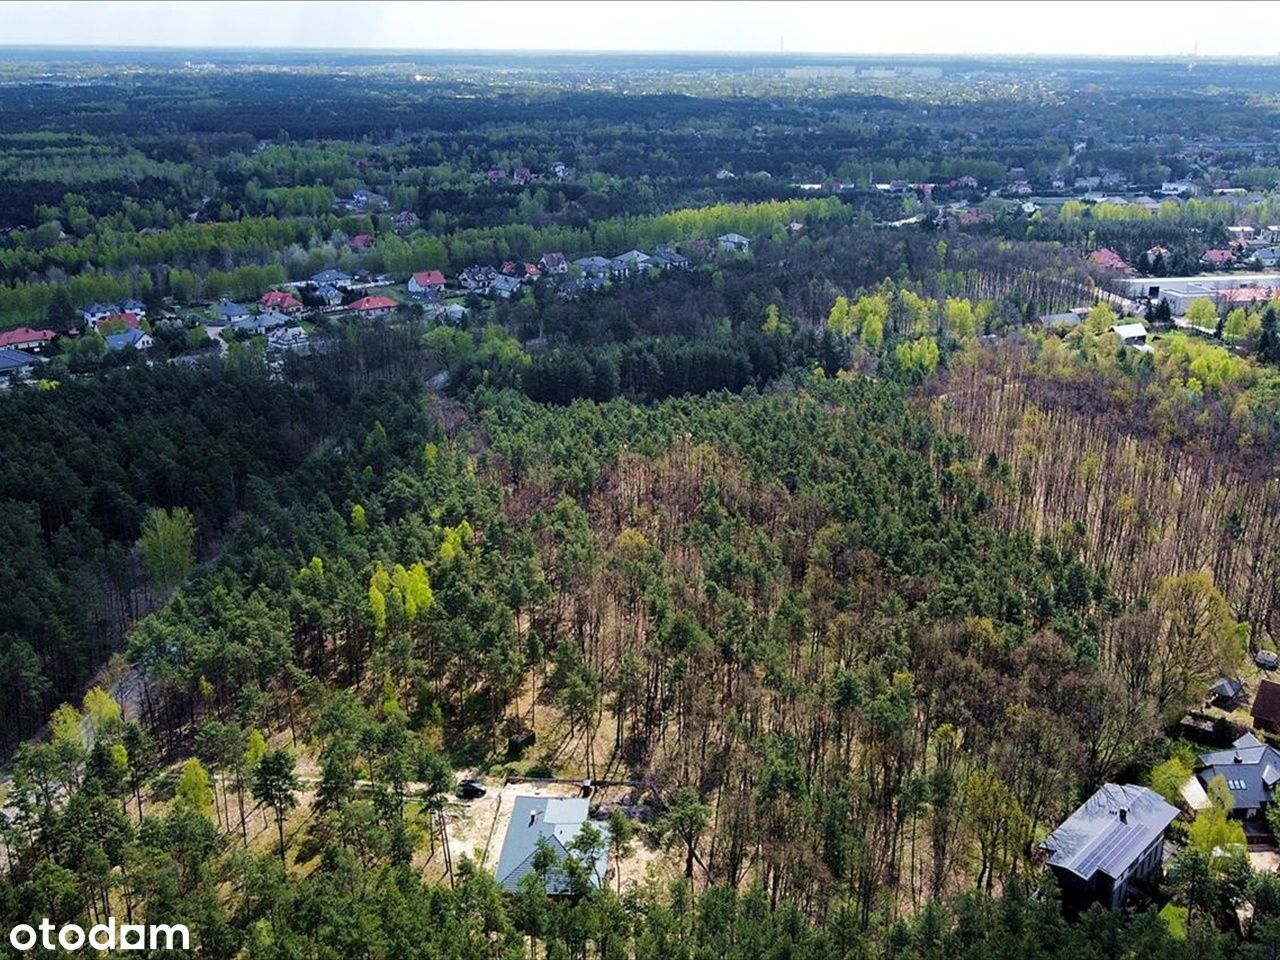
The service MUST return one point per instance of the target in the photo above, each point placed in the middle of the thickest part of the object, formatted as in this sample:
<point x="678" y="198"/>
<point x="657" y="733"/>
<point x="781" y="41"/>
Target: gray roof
<point x="127" y="338"/>
<point x="330" y="276"/>
<point x="229" y="310"/>
<point x="559" y="820"/>
<point x="11" y="360"/>
<point x="1251" y="769"/>
<point x="1109" y="831"/>
<point x="1228" y="688"/>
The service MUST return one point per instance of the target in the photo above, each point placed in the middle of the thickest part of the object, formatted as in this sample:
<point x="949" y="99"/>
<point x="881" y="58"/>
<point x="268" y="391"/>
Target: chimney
<point x="1124" y="814"/>
<point x="1237" y="758"/>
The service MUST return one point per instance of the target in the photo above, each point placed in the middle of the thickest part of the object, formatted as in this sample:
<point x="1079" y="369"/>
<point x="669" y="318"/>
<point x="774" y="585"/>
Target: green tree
<point x="276" y="785"/>
<point x="167" y="544"/>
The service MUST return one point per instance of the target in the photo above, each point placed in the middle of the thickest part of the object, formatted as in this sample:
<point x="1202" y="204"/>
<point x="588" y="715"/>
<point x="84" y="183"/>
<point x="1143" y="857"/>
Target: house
<point x="1178" y="188"/>
<point x="405" y="220"/>
<point x="281" y="300"/>
<point x="1133" y="334"/>
<point x="1226" y="692"/>
<point x="1266" y="706"/>
<point x="1251" y="769"/>
<point x="361" y="241"/>
<point x="262" y="322"/>
<point x="230" y="312"/>
<point x="553" y="263"/>
<point x="522" y="175"/>
<point x="1107" y="259"/>
<point x="131" y="338"/>
<point x="633" y="261"/>
<point x="664" y="258"/>
<point x="477" y="279"/>
<point x="426" y="283"/>
<point x="15" y="363"/>
<point x="97" y="311"/>
<point x="333" y="277"/>
<point x="723" y="174"/>
<point x="1218" y="258"/>
<point x="134" y="306"/>
<point x="374" y="306"/>
<point x="576" y="288"/>
<point x="594" y="266"/>
<point x="1267" y="256"/>
<point x="557" y="821"/>
<point x="1067" y="319"/>
<point x="1110" y="844"/>
<point x="504" y="286"/>
<point x="126" y="321"/>
<point x="497" y="175"/>
<point x="287" y="340"/>
<point x="330" y="294"/>
<point x="734" y="241"/>
<point x="24" y="338"/>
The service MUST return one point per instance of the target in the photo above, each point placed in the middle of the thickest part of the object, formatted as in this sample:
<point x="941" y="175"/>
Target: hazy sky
<point x="1112" y="28"/>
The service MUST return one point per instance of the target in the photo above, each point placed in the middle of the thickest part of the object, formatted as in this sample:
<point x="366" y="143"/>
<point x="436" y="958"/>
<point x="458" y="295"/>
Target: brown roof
<point x="1266" y="705"/>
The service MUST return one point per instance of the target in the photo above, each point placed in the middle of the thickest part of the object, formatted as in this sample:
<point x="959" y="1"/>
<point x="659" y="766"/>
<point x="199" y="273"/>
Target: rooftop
<point x="558" y="820"/>
<point x="1109" y="831"/>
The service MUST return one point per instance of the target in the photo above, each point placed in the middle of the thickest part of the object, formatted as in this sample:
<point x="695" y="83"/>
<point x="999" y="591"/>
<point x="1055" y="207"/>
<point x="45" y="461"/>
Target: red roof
<point x="1248" y="294"/>
<point x="1218" y="256"/>
<point x="429" y="278"/>
<point x="1108" y="259"/>
<point x="280" y="300"/>
<point x="531" y="270"/>
<point x="25" y="335"/>
<point x="361" y="240"/>
<point x="130" y="320"/>
<point x="375" y="303"/>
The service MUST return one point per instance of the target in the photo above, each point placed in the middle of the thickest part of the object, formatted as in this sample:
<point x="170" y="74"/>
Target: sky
<point x="1133" y="29"/>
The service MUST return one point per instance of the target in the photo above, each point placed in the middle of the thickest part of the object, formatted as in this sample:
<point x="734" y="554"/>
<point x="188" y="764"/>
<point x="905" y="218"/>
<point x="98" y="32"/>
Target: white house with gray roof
<point x="558" y="821"/>
<point x="1112" y="842"/>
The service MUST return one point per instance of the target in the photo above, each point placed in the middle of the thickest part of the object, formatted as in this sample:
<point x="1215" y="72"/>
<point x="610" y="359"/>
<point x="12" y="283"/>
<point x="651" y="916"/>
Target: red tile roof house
<point x="1108" y="260"/>
<point x="130" y="321"/>
<point x="24" y="338"/>
<point x="374" y="306"/>
<point x="425" y="282"/>
<point x="281" y="300"/>
<point x="1218" y="258"/>
<point x="360" y="241"/>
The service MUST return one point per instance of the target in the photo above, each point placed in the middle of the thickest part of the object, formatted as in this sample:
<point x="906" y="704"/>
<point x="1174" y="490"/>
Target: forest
<point x="837" y="571"/>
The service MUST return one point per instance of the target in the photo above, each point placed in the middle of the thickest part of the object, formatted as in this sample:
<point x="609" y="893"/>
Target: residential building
<point x="1251" y="769"/>
<point x="335" y="277"/>
<point x="1107" y="259"/>
<point x="426" y="283"/>
<point x="557" y="821"/>
<point x="24" y="338"/>
<point x="229" y="312"/>
<point x="594" y="266"/>
<point x="127" y="321"/>
<point x="504" y="286"/>
<point x="330" y="295"/>
<point x="374" y="306"/>
<point x="15" y="363"/>
<point x="664" y="258"/>
<point x="734" y="241"/>
<point x="1133" y="334"/>
<point x="281" y="300"/>
<point x="477" y="279"/>
<point x="553" y="263"/>
<point x="1266" y="706"/>
<point x="633" y="261"/>
<point x="1110" y="845"/>
<point x="261" y="322"/>
<point x="287" y="340"/>
<point x="132" y="338"/>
